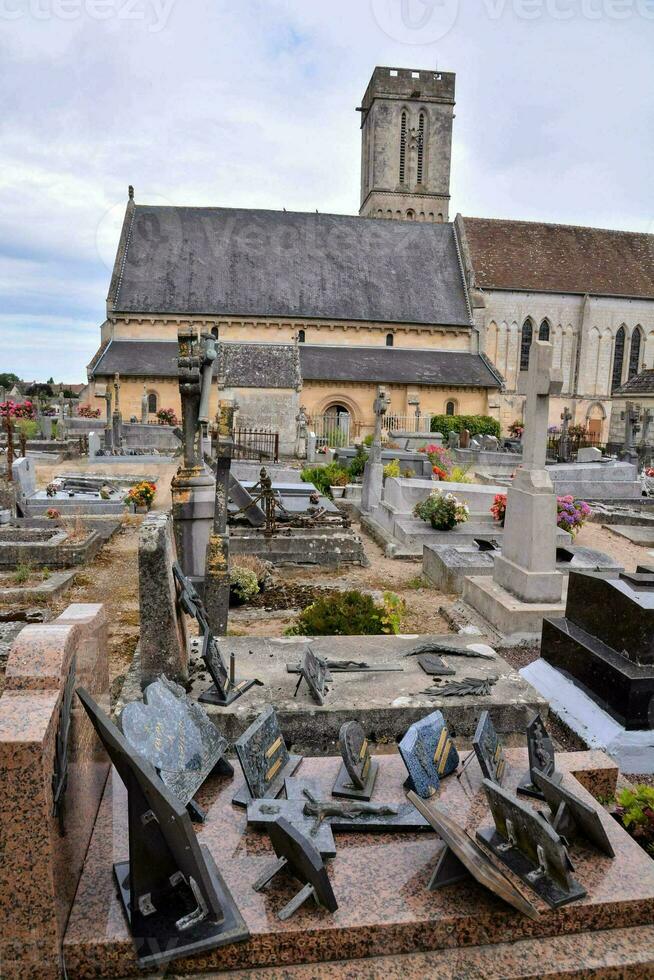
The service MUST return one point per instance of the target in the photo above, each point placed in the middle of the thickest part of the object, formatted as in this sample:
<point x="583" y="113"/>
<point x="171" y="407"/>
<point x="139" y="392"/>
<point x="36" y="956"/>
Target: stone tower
<point x="406" y="144"/>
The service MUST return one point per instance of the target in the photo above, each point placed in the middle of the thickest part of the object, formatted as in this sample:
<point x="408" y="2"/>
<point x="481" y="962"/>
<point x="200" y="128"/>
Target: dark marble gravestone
<point x="177" y="737"/>
<point x="174" y="898"/>
<point x="488" y="749"/>
<point x="264" y="758"/>
<point x="530" y="847"/>
<point x="462" y="858"/>
<point x="605" y="643"/>
<point x="541" y="758"/>
<point x="298" y="855"/>
<point x="571" y="816"/>
<point x="358" y="772"/>
<point x="429" y="754"/>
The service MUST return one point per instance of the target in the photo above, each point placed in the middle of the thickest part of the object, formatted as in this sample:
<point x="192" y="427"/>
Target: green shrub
<point x="244" y="584"/>
<point x="369" y="439"/>
<point x="22" y="573"/>
<point x="459" y="474"/>
<point x="349" y="614"/>
<point x="636" y="811"/>
<point x="392" y="468"/>
<point x="28" y="428"/>
<point x="324" y="477"/>
<point x="477" y="425"/>
<point x="357" y="465"/>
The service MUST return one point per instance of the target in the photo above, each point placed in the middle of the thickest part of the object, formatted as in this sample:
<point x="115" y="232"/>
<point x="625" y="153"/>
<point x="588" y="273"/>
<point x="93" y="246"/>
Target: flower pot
<point x="337" y="492"/>
<point x="141" y="508"/>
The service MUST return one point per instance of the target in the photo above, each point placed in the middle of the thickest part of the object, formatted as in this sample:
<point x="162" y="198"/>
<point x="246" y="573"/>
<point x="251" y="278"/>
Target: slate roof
<point x="238" y="262"/>
<point x="273" y="365"/>
<point x="640" y="384"/>
<point x="240" y="365"/>
<point x="539" y="257"/>
<point x="399" y="365"/>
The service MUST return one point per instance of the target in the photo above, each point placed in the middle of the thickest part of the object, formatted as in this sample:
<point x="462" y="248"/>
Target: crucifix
<point x="631" y="417"/>
<point x="380" y="407"/>
<point x="564" y="441"/>
<point x="539" y="383"/>
<point x="117" y="418"/>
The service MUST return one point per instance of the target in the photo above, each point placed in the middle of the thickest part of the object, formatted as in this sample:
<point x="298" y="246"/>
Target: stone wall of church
<point x="278" y="330"/>
<point x="583" y="331"/>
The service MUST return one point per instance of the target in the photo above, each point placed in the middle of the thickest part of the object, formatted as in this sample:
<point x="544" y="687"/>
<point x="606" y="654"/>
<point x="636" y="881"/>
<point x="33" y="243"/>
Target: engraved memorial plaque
<point x="488" y="749"/>
<point x="358" y="771"/>
<point x="530" y="847"/>
<point x="541" y="758"/>
<point x="313" y="670"/>
<point x="571" y="816"/>
<point x="264" y="758"/>
<point x="176" y="736"/>
<point x="429" y="754"/>
<point x="263" y="813"/>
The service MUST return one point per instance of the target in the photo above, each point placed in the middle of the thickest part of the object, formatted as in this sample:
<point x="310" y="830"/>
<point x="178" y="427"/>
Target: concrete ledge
<point x="50" y="589"/>
<point x="518" y="622"/>
<point x="633" y="751"/>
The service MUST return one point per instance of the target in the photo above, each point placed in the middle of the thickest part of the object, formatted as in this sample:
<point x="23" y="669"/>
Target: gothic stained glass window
<point x="525" y="344"/>
<point x="403" y="148"/>
<point x="544" y="332"/>
<point x="634" y="352"/>
<point x="618" y="359"/>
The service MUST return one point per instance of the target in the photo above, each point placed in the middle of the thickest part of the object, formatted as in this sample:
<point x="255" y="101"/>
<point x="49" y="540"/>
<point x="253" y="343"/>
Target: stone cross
<point x="144" y="405"/>
<point x="117" y="418"/>
<point x="564" y="441"/>
<point x="380" y="407"/>
<point x="108" y="430"/>
<point x="631" y="429"/>
<point x="538" y="384"/>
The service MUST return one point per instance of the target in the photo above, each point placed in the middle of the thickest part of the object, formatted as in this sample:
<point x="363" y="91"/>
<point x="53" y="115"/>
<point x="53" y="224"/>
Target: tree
<point x="39" y="390"/>
<point x="8" y="380"/>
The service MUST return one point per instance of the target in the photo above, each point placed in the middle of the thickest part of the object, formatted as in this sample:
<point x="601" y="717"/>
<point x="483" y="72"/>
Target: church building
<point x="319" y="309"/>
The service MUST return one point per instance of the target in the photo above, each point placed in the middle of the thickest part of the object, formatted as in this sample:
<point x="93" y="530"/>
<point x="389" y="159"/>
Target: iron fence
<point x="258" y="444"/>
<point x="334" y="431"/>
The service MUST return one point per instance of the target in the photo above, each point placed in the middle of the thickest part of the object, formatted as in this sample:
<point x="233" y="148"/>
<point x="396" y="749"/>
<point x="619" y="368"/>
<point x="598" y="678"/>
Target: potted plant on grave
<point x="571" y="514"/>
<point x="166" y="416"/>
<point x="516" y="429"/>
<point x="498" y="508"/>
<point x="442" y="510"/>
<point x="141" y="495"/>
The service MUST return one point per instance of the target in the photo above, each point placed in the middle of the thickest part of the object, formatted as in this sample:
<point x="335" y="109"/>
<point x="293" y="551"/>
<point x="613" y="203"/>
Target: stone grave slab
<point x="176" y="736"/>
<point x="387" y="702"/>
<point x="263" y="814"/>
<point x="643" y="536"/>
<point x="395" y="870"/>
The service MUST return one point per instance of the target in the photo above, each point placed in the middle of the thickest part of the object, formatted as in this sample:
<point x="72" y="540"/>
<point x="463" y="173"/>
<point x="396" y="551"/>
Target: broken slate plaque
<point x="530" y="847"/>
<point x="429" y="754"/>
<point x="313" y="670"/>
<point x="264" y="758"/>
<point x="176" y="736"/>
<point x="358" y="771"/>
<point x="488" y="749"/>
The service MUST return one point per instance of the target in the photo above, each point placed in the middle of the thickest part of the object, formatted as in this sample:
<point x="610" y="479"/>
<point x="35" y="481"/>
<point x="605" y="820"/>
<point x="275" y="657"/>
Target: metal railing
<point x="334" y="431"/>
<point x="259" y="444"/>
<point x="408" y="423"/>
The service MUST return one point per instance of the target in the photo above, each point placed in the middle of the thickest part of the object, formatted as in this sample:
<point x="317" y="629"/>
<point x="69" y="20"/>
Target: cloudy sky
<point x="251" y="103"/>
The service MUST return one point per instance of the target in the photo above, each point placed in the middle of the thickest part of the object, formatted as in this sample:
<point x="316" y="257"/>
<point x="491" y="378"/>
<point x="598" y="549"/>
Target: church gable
<point x="220" y="261"/>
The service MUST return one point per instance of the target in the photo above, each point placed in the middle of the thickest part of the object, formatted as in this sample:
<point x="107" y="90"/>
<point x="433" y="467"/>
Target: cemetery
<point x="234" y="797"/>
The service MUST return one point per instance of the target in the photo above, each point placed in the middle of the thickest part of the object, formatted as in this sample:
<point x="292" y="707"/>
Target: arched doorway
<point x="595" y="418"/>
<point x="336" y="425"/>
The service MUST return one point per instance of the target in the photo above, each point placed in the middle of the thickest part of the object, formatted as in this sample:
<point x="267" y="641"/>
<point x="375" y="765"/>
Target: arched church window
<point x="525" y="344"/>
<point x="403" y="148"/>
<point x="301" y="336"/>
<point x="421" y="147"/>
<point x="410" y="214"/>
<point x="544" y="332"/>
<point x="390" y="339"/>
<point x="450" y="408"/>
<point x="618" y="359"/>
<point x="214" y="332"/>
<point x="152" y="403"/>
<point x="634" y="352"/>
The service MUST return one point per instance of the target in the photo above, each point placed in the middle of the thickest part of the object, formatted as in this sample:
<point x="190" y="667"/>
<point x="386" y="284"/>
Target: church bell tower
<point x="406" y="144"/>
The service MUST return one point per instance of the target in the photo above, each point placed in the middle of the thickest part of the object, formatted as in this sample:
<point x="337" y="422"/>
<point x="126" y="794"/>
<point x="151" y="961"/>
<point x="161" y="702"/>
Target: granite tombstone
<point x="264" y="758"/>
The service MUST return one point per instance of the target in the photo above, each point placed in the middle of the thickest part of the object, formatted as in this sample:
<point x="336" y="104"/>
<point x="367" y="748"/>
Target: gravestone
<point x="429" y="754"/>
<point x="245" y="503"/>
<point x="94" y="444"/>
<point x="589" y="454"/>
<point x="298" y="855"/>
<point x="488" y="749"/>
<point x="373" y="473"/>
<point x="605" y="644"/>
<point x="312" y="440"/>
<point x="313" y="670"/>
<point x="177" y="737"/>
<point x="358" y="771"/>
<point x="540" y="748"/>
<point x="264" y="758"/>
<point x="174" y="899"/>
<point x="24" y="474"/>
<point x="163" y="628"/>
<point x="530" y="847"/>
<point x="453" y="440"/>
<point x="462" y="858"/>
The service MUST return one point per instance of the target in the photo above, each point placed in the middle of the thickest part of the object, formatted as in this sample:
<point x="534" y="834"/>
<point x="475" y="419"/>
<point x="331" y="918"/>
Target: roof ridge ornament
<point x="130" y="192"/>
